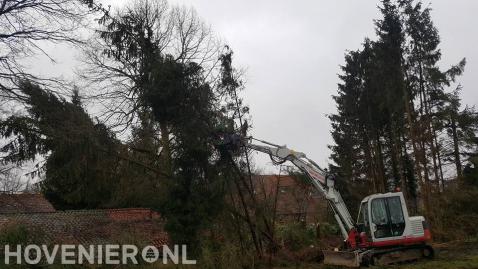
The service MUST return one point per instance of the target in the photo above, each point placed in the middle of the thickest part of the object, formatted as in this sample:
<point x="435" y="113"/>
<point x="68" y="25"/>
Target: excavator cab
<point x="384" y="233"/>
<point x="383" y="216"/>
<point x="384" y="220"/>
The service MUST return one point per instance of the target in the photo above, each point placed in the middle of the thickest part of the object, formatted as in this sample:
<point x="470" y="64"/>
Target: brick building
<point x="294" y="199"/>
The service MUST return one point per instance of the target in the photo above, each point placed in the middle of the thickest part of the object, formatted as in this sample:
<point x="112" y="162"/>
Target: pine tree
<point x="393" y="105"/>
<point x="79" y="168"/>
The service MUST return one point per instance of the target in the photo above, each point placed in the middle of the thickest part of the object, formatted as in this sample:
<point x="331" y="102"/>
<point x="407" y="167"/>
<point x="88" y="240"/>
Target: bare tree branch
<point x="26" y="25"/>
<point x="113" y="73"/>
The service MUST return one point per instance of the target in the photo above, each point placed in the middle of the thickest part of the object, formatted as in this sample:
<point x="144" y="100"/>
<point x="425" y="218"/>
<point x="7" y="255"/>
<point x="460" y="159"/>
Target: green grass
<point x="470" y="262"/>
<point x="462" y="263"/>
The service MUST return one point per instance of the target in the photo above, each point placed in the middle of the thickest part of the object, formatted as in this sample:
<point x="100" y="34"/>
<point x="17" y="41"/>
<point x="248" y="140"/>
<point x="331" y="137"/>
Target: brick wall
<point x="126" y="226"/>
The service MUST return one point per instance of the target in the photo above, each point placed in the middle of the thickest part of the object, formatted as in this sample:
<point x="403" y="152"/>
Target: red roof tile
<point x="24" y="203"/>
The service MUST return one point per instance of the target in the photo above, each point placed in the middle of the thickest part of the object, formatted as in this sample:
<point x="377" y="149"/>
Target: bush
<point x="225" y="255"/>
<point x="14" y="234"/>
<point x="296" y="236"/>
<point x="456" y="214"/>
<point x="327" y="229"/>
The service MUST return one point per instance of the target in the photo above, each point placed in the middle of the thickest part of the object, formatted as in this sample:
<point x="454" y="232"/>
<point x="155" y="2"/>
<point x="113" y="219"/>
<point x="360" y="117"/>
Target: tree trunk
<point x="381" y="166"/>
<point x="369" y="161"/>
<point x="426" y="184"/>
<point x="432" y="136"/>
<point x="166" y="150"/>
<point x="423" y="153"/>
<point x="440" y="165"/>
<point x="418" y="169"/>
<point x="456" y="148"/>
<point x="394" y="155"/>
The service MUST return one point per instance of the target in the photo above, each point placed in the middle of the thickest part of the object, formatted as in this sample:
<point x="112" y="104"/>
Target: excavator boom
<point x="323" y="182"/>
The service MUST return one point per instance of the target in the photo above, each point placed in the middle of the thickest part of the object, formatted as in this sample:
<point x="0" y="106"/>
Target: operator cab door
<point x="387" y="217"/>
<point x="363" y="220"/>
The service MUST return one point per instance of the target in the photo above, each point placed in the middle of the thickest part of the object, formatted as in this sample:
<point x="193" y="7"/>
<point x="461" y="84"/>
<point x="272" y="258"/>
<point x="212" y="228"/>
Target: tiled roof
<point x="139" y="226"/>
<point x="24" y="203"/>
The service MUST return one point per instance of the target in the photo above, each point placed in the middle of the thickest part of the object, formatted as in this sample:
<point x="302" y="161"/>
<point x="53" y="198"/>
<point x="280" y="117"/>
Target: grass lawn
<point x="461" y="263"/>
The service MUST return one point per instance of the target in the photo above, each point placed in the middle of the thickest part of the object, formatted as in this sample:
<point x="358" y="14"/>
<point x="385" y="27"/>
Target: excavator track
<point x="380" y="257"/>
<point x="397" y="255"/>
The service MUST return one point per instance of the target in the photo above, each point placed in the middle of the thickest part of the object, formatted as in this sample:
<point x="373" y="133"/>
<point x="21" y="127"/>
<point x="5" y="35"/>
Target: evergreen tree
<point x="461" y="127"/>
<point x="79" y="169"/>
<point x="393" y="105"/>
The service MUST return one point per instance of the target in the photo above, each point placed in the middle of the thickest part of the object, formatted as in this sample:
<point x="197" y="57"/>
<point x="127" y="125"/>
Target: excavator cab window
<point x="387" y="217"/>
<point x="362" y="220"/>
<point x="380" y="218"/>
<point x="397" y="221"/>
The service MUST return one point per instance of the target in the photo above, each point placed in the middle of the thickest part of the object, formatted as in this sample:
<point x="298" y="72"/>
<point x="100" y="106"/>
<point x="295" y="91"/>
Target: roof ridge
<point x="20" y="193"/>
<point x="80" y="210"/>
<point x="108" y="209"/>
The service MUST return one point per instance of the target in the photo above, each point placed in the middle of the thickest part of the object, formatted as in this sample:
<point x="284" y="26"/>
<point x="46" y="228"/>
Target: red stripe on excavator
<point x="316" y="175"/>
<point x="403" y="242"/>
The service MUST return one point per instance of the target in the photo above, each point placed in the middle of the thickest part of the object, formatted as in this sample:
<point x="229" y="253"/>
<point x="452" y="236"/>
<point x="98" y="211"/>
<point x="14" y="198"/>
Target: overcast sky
<point x="292" y="51"/>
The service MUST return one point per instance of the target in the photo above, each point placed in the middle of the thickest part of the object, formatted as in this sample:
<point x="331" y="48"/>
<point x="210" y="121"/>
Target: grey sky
<point x="292" y="51"/>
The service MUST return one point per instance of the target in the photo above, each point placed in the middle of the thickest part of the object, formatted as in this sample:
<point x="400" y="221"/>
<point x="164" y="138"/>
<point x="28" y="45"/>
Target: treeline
<point x="400" y="121"/>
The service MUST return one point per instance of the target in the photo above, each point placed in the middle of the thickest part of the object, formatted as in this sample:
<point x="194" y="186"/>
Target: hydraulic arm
<point x="320" y="179"/>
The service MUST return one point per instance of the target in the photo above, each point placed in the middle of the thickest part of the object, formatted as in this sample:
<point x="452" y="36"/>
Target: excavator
<point x="383" y="233"/>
